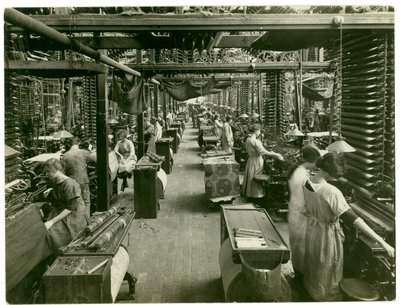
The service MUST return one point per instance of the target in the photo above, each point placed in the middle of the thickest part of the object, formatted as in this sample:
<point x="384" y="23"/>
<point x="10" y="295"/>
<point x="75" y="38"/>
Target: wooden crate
<point x="163" y="149"/>
<point x="62" y="286"/>
<point x="247" y="216"/>
<point x="145" y="192"/>
<point x="26" y="245"/>
<point x="173" y="133"/>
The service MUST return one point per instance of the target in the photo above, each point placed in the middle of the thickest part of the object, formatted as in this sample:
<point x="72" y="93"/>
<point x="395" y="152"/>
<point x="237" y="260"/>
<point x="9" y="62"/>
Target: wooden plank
<point x="201" y="22"/>
<point x="186" y="264"/>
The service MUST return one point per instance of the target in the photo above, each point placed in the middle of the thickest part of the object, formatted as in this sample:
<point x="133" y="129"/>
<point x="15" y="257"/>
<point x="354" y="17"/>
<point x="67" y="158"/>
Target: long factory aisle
<point x="175" y="257"/>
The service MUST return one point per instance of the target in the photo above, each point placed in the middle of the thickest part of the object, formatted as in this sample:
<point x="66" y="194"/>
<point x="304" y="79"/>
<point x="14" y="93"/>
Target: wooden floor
<point x="175" y="257"/>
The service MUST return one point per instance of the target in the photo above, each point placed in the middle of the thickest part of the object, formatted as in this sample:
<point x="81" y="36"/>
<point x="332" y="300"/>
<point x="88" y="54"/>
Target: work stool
<point x="357" y="290"/>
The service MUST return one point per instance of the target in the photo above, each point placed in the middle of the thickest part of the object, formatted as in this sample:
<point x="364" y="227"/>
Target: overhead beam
<point x="228" y="67"/>
<point x="192" y="22"/>
<point x="236" y="41"/>
<point x="218" y="78"/>
<point x="15" y="17"/>
<point x="55" y="69"/>
<point x="104" y="42"/>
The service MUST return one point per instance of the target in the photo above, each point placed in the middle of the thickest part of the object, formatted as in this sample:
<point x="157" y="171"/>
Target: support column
<point x="155" y="100"/>
<point x="238" y="100"/>
<point x="259" y="99"/>
<point x="252" y="96"/>
<point x="104" y="191"/>
<point x="140" y="130"/>
<point x="164" y="95"/>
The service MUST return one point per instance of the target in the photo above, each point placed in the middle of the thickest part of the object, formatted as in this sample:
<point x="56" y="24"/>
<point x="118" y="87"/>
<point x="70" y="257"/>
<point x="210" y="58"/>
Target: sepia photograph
<point x="198" y="154"/>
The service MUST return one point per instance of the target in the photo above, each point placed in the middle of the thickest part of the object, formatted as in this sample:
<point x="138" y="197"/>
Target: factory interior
<point x="151" y="152"/>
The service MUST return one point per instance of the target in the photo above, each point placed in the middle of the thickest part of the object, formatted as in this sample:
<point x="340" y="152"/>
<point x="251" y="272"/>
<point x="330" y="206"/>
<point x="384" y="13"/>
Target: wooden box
<point x="26" y="245"/>
<point x="145" y="192"/>
<point x="163" y="149"/>
<point x="62" y="284"/>
<point x="247" y="216"/>
<point x="173" y="133"/>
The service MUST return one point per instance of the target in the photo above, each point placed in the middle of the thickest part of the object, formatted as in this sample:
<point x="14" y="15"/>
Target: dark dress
<point x="67" y="195"/>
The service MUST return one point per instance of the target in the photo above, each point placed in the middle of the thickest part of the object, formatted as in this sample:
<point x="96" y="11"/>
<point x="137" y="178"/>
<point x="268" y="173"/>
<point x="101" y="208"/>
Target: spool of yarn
<point x="161" y="179"/>
<point x="119" y="267"/>
<point x="106" y="237"/>
<point x="98" y="221"/>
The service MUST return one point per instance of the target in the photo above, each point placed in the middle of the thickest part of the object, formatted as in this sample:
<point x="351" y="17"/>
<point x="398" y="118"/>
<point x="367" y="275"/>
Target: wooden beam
<point x="206" y="78"/>
<point x="199" y="22"/>
<point x="236" y="41"/>
<point x="55" y="69"/>
<point x="228" y="67"/>
<point x="106" y="42"/>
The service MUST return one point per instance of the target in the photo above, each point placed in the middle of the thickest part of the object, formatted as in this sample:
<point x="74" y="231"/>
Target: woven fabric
<point x="130" y="101"/>
<point x="221" y="178"/>
<point x="187" y="89"/>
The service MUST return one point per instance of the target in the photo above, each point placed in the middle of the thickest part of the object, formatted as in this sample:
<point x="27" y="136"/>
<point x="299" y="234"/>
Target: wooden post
<point x="238" y="100"/>
<point x="155" y="101"/>
<point x="259" y="99"/>
<point x="102" y="149"/>
<point x="140" y="130"/>
<point x="164" y="95"/>
<point x="252" y="96"/>
<point x="148" y="99"/>
<point x="300" y="106"/>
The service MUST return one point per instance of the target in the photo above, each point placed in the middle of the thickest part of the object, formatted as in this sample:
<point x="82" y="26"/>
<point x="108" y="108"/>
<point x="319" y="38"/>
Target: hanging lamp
<point x="244" y="116"/>
<point x="340" y="145"/>
<point x="294" y="132"/>
<point x="62" y="134"/>
<point x="255" y="115"/>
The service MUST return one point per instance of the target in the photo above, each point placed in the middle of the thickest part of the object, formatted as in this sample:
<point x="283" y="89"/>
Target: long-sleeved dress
<point x="296" y="218"/>
<point x="323" y="257"/>
<point x="67" y="195"/>
<point x="227" y="138"/>
<point x="127" y="150"/>
<point x="254" y="166"/>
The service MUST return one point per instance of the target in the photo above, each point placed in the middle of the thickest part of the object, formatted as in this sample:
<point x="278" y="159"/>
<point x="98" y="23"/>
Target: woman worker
<point x="217" y="126"/>
<point x="67" y="218"/>
<point x="227" y="136"/>
<point x="125" y="152"/>
<point x="297" y="176"/>
<point x="255" y="164"/>
<point x="323" y="256"/>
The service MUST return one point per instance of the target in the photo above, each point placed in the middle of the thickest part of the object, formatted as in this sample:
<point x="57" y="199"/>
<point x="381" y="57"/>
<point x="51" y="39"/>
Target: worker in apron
<point x="67" y="215"/>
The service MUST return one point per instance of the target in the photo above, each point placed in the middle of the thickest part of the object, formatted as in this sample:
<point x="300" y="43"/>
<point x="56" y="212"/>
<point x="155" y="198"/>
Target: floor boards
<point x="175" y="257"/>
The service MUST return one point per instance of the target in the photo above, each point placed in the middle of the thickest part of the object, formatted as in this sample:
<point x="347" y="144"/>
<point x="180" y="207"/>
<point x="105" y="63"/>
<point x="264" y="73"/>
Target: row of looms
<point x="324" y="75"/>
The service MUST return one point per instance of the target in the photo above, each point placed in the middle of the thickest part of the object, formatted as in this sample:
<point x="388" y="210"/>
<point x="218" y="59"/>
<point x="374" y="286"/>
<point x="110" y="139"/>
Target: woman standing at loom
<point x="227" y="136"/>
<point x="325" y="204"/>
<point x="126" y="157"/>
<point x="68" y="217"/>
<point x="255" y="165"/>
<point x="297" y="176"/>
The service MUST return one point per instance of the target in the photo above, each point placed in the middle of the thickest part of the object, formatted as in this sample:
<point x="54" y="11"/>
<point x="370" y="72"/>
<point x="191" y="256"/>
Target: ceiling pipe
<point x="17" y="18"/>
